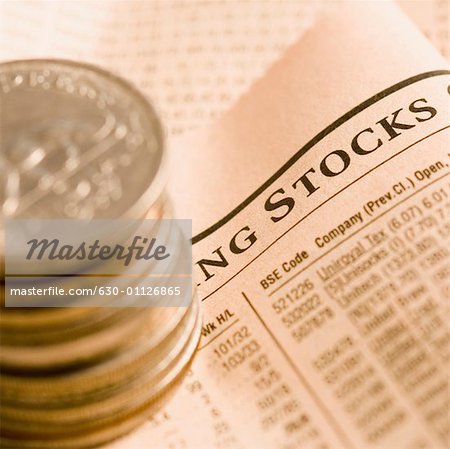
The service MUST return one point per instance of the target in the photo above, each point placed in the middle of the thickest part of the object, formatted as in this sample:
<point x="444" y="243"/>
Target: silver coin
<point x="77" y="142"/>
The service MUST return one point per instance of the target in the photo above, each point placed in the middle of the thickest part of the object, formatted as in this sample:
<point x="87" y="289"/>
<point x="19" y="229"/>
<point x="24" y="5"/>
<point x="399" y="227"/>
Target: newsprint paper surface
<point x="321" y="214"/>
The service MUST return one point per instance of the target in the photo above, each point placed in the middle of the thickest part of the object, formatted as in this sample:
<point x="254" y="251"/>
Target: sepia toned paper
<point x="324" y="301"/>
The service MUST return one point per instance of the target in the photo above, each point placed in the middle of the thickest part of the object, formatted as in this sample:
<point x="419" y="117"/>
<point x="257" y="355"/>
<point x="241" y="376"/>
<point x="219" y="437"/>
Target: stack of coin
<point x="78" y="142"/>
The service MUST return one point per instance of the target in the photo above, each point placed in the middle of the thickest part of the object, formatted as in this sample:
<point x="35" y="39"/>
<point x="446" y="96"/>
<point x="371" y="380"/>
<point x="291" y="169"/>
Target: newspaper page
<point x="321" y="210"/>
<point x="193" y="59"/>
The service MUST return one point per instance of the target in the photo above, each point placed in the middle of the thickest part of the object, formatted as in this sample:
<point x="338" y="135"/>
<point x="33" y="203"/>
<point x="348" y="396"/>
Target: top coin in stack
<point x="80" y="143"/>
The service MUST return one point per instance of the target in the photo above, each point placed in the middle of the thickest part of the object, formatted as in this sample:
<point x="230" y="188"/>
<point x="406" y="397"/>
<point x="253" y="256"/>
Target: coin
<point x="80" y="143"/>
<point x="77" y="142"/>
<point x="73" y="417"/>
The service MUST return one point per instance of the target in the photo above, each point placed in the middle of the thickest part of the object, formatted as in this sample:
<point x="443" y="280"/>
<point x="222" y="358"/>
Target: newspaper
<point x="193" y="58"/>
<point x="321" y="214"/>
<point x="320" y="204"/>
